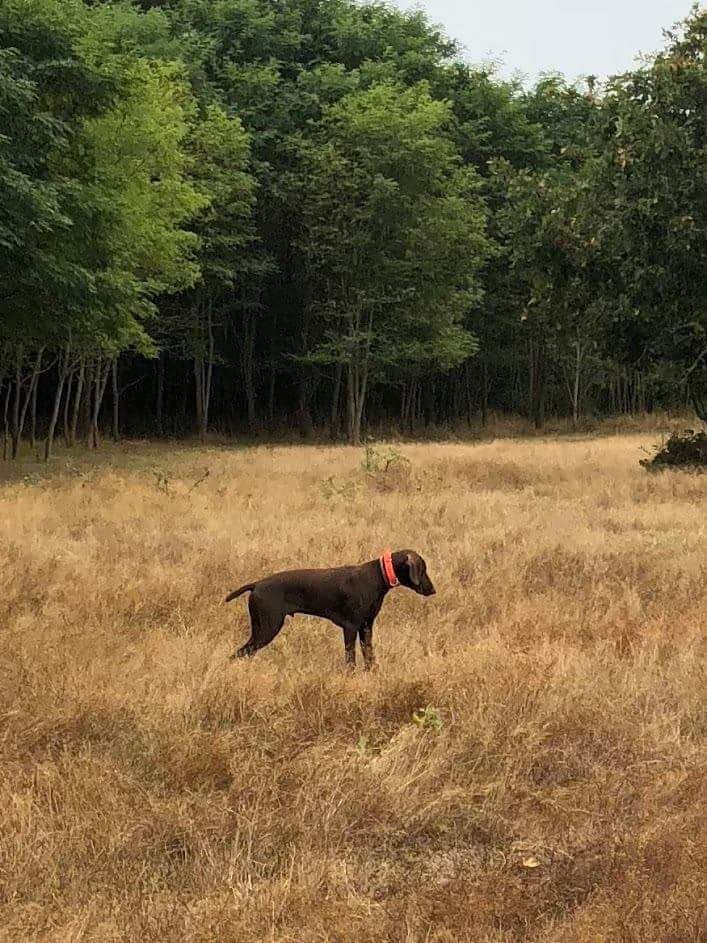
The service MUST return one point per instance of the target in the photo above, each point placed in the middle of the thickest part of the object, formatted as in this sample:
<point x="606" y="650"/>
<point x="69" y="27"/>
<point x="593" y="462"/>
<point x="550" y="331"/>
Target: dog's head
<point x="411" y="571"/>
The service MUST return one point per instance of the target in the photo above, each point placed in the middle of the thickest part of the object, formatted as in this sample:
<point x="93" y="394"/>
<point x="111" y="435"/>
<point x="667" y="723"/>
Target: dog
<point x="349" y="596"/>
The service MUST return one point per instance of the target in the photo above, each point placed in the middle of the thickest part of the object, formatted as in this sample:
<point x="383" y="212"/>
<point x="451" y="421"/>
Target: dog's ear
<point x="415" y="568"/>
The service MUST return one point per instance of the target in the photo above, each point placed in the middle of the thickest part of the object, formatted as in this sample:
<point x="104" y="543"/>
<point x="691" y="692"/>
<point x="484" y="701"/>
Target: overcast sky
<point x="575" y="37"/>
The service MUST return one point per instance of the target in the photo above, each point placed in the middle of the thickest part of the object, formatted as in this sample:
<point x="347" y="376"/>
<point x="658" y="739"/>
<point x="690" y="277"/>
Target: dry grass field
<point x="151" y="790"/>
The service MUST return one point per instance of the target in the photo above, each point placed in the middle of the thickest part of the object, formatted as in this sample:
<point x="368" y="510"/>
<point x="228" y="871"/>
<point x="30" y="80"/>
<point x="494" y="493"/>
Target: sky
<point x="575" y="37"/>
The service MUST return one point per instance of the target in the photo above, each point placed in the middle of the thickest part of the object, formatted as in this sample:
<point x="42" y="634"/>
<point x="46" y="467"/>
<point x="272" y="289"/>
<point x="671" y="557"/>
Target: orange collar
<point x="386" y="562"/>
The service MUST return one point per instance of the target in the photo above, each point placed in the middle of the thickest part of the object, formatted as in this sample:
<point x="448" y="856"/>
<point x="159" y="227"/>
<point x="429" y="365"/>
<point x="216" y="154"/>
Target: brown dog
<point x="349" y="596"/>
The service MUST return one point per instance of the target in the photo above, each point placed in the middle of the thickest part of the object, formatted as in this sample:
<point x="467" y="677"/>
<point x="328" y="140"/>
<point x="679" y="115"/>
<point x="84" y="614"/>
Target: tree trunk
<point x="31" y="393"/>
<point x="404" y="399"/>
<point x="16" y="405"/>
<point x="77" y="402"/>
<point x="273" y="373"/>
<point x="619" y="392"/>
<point x="116" y="399"/>
<point x="203" y="370"/>
<point x="634" y="392"/>
<point x="92" y="384"/>
<point x="576" y="386"/>
<point x="183" y="411"/>
<point x="33" y="416"/>
<point x="335" y="397"/>
<point x="159" y="404"/>
<point x="5" y="432"/>
<point x="90" y="379"/>
<point x="209" y="371"/>
<point x="199" y="394"/>
<point x="100" y="378"/>
<point x="350" y="404"/>
<point x="247" y="356"/>
<point x="410" y="407"/>
<point x="361" y="403"/>
<point x="456" y="380"/>
<point x="542" y="390"/>
<point x="429" y="389"/>
<point x="537" y="384"/>
<point x="271" y="396"/>
<point x="485" y="388"/>
<point x="357" y="382"/>
<point x="304" y="415"/>
<point x="2" y="380"/>
<point x="63" y="371"/>
<point x="67" y="406"/>
<point x="358" y="370"/>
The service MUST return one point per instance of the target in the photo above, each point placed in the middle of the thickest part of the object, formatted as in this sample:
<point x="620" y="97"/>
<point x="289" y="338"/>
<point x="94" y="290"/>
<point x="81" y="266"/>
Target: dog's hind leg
<point x="265" y="623"/>
<point x="350" y="632"/>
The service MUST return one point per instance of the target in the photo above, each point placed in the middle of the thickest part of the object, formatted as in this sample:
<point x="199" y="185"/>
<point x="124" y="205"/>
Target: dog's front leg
<point x="350" y="633"/>
<point x="365" y="635"/>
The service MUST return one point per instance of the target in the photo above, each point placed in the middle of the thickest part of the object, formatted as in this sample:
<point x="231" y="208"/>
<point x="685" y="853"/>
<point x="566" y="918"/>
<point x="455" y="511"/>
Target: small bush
<point x="686" y="449"/>
<point x="386" y="469"/>
<point x="378" y="459"/>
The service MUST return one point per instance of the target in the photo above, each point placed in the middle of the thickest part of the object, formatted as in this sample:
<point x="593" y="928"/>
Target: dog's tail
<point x="239" y="592"/>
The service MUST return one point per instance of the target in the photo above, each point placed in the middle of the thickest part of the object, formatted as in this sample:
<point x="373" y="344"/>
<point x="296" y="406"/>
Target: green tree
<point x="108" y="186"/>
<point x="546" y="285"/>
<point x="649" y="185"/>
<point x="393" y="238"/>
<point x="559" y="273"/>
<point x="219" y="156"/>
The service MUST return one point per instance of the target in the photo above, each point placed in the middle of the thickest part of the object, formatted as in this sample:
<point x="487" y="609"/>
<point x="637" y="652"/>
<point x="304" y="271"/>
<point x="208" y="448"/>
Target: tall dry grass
<point x="152" y="790"/>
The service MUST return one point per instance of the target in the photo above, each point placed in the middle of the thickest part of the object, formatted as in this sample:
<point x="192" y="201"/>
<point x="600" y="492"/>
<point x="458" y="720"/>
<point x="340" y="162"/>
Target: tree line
<point x="255" y="215"/>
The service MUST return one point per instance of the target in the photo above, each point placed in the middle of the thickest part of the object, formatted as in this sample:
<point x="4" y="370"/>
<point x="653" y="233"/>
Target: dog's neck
<point x="385" y="561"/>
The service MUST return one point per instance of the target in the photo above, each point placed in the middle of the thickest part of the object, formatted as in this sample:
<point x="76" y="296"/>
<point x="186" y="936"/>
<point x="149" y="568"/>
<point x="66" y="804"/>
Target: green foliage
<point x="42" y="105"/>
<point x="392" y="237"/>
<point x="219" y="153"/>
<point x="648" y="189"/>
<point x="427" y="718"/>
<point x="94" y="150"/>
